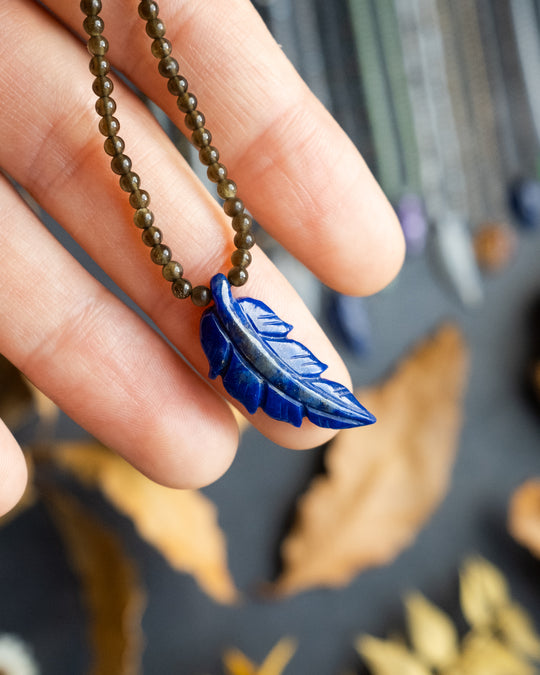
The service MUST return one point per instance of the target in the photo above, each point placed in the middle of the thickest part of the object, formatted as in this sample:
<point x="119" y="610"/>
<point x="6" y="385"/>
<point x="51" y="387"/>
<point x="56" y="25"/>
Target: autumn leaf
<point x="524" y="516"/>
<point x="236" y="663"/>
<point x="383" y="481"/>
<point x="110" y="585"/>
<point x="181" y="524"/>
<point x="483" y="592"/>
<point x="386" y="657"/>
<point x="433" y="635"/>
<point x="15" y="396"/>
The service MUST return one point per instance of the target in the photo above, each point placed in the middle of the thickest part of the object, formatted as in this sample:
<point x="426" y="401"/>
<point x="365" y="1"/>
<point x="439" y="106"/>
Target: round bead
<point x="161" y="47"/>
<point x="105" y="106"/>
<point x="90" y="7"/>
<point x="152" y="236"/>
<point x="181" y="289"/>
<point x="109" y="126"/>
<point x="241" y="257"/>
<point x="148" y="10"/>
<point x="103" y="86"/>
<point x="242" y="222"/>
<point x="114" y="145"/>
<point x="209" y="155"/>
<point x="172" y="271"/>
<point x="98" y="45"/>
<point x="194" y="120"/>
<point x="143" y="218"/>
<point x="99" y="66"/>
<point x="140" y="199"/>
<point x="187" y="102"/>
<point x="244" y="240"/>
<point x="130" y="182"/>
<point x="93" y="25"/>
<point x="121" y="164"/>
<point x="494" y="246"/>
<point x="201" y="296"/>
<point x="168" y="66"/>
<point x="233" y="207"/>
<point x="201" y="137"/>
<point x="155" y="28"/>
<point x="226" y="189"/>
<point x="177" y="85"/>
<point x="216" y="172"/>
<point x="161" y="254"/>
<point x="237" y="276"/>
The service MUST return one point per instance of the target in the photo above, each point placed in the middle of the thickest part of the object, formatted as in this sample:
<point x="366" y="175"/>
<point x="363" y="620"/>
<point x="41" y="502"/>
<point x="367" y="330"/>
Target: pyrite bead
<point x="172" y="271"/>
<point x="161" y="254"/>
<point x="227" y="189"/>
<point x="114" y="145"/>
<point x="161" y="47"/>
<point x="237" y="276"/>
<point x="151" y="236"/>
<point x="98" y="45"/>
<point x="216" y="172"/>
<point x="109" y="126"/>
<point x="186" y="102"/>
<point x="155" y="28"/>
<point x="121" y="164"/>
<point x="168" y="66"/>
<point x="105" y="106"/>
<point x="177" y="86"/>
<point x="201" y="296"/>
<point x="93" y="25"/>
<point x="90" y="7"/>
<point x="233" y="207"/>
<point x="194" y="120"/>
<point x="181" y="289"/>
<point x="148" y="10"/>
<point x="241" y="258"/>
<point x="102" y="86"/>
<point x="143" y="218"/>
<point x="209" y="155"/>
<point x="130" y="182"/>
<point x="242" y="222"/>
<point x="244" y="240"/>
<point x="201" y="137"/>
<point x="140" y="199"/>
<point x="99" y="66"/>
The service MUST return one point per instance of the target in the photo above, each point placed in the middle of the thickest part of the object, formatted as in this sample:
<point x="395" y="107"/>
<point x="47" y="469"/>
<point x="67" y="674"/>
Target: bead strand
<point x="201" y="138"/>
<point x="114" y="146"/>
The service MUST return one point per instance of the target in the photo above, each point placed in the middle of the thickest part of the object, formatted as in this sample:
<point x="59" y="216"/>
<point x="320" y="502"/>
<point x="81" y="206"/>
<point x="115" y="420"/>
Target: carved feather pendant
<point x="246" y="343"/>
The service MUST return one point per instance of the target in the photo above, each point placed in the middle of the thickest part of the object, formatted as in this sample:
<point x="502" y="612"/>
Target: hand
<point x="297" y="173"/>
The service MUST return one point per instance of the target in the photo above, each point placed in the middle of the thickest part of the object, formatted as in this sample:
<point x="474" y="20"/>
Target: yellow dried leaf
<point x="433" y="635"/>
<point x="274" y="664"/>
<point x="383" y="481"/>
<point x="524" y="516"/>
<point x="15" y="397"/>
<point x="237" y="663"/>
<point x="483" y="654"/>
<point x="385" y="657"/>
<point x="181" y="524"/>
<point x="110" y="586"/>
<point x="518" y="632"/>
<point x="483" y="592"/>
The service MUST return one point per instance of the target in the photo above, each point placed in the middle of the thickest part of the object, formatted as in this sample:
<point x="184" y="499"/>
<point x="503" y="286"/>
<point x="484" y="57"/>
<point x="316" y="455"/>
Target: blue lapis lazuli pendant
<point x="247" y="344"/>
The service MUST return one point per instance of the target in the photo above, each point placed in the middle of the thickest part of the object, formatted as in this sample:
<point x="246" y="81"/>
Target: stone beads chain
<point x="130" y="182"/>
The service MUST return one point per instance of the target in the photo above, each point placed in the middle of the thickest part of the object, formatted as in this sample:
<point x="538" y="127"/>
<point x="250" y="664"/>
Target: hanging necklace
<point x="245" y="342"/>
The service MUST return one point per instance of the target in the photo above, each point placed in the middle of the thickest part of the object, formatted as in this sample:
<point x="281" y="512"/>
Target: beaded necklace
<point x="244" y="341"/>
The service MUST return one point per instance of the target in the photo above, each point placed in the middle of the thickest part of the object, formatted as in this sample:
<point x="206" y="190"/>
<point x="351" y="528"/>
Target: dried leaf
<point x="110" y="585"/>
<point x="385" y="657"/>
<point x="181" y="524"/>
<point x="524" y="516"/>
<point x="518" y="632"/>
<point x="483" y="654"/>
<point x="15" y="397"/>
<point x="433" y="635"/>
<point x="483" y="592"/>
<point x="274" y="664"/>
<point x="383" y="481"/>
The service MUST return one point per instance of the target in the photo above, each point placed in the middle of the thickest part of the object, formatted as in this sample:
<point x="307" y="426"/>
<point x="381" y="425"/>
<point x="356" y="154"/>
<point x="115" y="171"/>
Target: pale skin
<point x="297" y="173"/>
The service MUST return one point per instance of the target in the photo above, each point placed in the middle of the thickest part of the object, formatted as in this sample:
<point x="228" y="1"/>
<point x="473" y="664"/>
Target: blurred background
<point x="442" y="99"/>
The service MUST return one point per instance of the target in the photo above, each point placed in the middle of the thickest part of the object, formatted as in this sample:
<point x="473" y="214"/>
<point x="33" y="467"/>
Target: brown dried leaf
<point x="15" y="397"/>
<point x="433" y="635"/>
<point x="181" y="524"/>
<point x="524" y="516"/>
<point x="483" y="592"/>
<point x="383" y="481"/>
<point x="275" y="663"/>
<point x="385" y="657"/>
<point x="110" y="585"/>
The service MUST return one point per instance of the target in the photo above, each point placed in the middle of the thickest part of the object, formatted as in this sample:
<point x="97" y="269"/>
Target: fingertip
<point x="13" y="471"/>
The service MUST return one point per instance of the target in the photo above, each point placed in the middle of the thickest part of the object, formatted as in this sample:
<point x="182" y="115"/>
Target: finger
<point x="296" y="169"/>
<point x="52" y="148"/>
<point x="101" y="363"/>
<point x="13" y="473"/>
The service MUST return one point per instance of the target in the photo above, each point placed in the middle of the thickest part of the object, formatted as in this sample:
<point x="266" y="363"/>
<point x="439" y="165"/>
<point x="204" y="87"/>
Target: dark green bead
<point x="152" y="236"/>
<point x="130" y="182"/>
<point x="140" y="199"/>
<point x="237" y="276"/>
<point x="201" y="137"/>
<point x="99" y="66"/>
<point x="105" y="106"/>
<point x="244" y="240"/>
<point x="241" y="258"/>
<point x="103" y="86"/>
<point x="226" y="189"/>
<point x="90" y="7"/>
<point x="161" y="47"/>
<point x="177" y="86"/>
<point x="242" y="222"/>
<point x="155" y="28"/>
<point x="168" y="67"/>
<point x="148" y="10"/>
<point x="187" y="102"/>
<point x="98" y="45"/>
<point x="109" y="126"/>
<point x="216" y="172"/>
<point x="209" y="155"/>
<point x="201" y="296"/>
<point x="161" y="254"/>
<point x="194" y="120"/>
<point x="121" y="164"/>
<point x="233" y="207"/>
<point x="114" y="145"/>
<point x="181" y="289"/>
<point x="93" y="25"/>
<point x="143" y="218"/>
<point x="172" y="271"/>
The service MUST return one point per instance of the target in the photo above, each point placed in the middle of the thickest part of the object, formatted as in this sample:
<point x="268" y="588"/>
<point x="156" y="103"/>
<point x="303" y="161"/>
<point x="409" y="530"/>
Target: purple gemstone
<point x="411" y="214"/>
